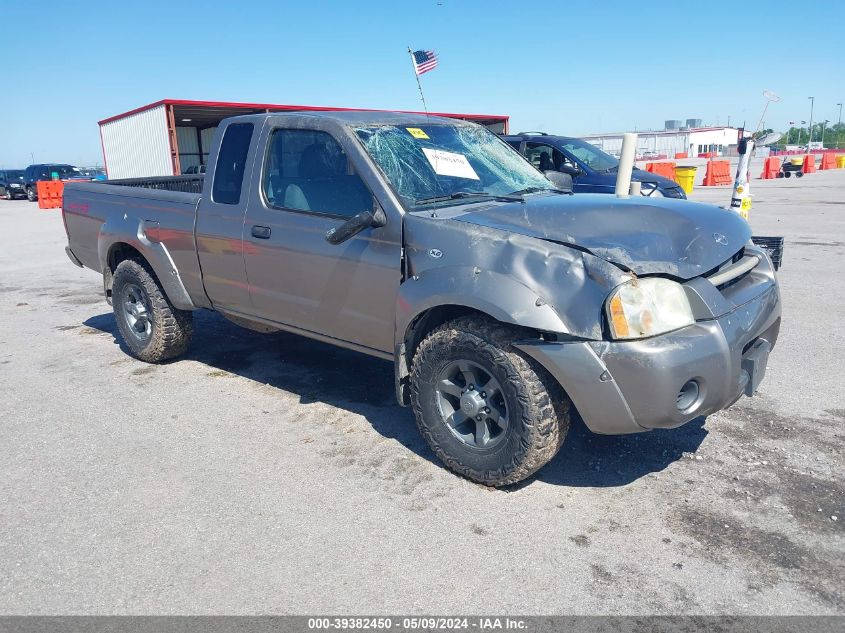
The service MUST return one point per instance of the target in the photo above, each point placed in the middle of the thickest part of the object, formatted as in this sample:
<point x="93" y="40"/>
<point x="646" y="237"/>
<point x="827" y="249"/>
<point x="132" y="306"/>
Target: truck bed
<point x="153" y="215"/>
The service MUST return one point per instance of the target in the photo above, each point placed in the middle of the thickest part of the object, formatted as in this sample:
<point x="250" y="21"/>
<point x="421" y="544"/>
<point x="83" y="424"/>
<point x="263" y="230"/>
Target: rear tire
<point x="502" y="429"/>
<point x="799" y="174"/>
<point x="152" y="329"/>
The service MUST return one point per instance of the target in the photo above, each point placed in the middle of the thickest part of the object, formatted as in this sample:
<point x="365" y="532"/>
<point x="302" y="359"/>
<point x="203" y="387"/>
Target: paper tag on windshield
<point x="416" y="132"/>
<point x="450" y="164"/>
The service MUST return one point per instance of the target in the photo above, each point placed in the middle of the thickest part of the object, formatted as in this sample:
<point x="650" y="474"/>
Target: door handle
<point x="261" y="232"/>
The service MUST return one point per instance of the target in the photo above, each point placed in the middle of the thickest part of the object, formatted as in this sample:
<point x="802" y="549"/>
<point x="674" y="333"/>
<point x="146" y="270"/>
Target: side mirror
<point x="355" y="225"/>
<point x="560" y="180"/>
<point x="572" y="170"/>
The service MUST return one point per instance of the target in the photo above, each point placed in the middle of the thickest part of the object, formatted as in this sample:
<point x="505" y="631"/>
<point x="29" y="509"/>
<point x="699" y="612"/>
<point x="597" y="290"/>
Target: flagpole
<point x="419" y="85"/>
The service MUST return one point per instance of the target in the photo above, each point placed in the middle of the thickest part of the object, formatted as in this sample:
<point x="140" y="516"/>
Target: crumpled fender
<point x="502" y="297"/>
<point x="144" y="235"/>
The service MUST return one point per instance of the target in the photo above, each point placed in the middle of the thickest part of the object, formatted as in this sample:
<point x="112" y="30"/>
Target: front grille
<point x="733" y="259"/>
<point x="733" y="270"/>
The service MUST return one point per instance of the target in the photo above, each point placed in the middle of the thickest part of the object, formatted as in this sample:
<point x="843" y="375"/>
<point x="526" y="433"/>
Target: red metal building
<point x="166" y="137"/>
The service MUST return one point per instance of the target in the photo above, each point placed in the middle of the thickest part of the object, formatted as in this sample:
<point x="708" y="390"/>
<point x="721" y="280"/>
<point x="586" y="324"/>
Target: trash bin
<point x="685" y="176"/>
<point x="840" y="162"/>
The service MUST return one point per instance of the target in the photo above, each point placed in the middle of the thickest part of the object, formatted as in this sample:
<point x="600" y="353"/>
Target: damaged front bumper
<point x="667" y="380"/>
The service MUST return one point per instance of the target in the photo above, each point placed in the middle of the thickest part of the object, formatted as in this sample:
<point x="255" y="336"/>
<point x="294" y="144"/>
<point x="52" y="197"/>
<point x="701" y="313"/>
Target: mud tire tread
<point x="543" y="419"/>
<point x="172" y="328"/>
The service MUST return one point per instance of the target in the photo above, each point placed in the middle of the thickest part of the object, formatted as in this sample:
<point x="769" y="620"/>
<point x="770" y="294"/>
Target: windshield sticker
<point x="417" y="132"/>
<point x="450" y="164"/>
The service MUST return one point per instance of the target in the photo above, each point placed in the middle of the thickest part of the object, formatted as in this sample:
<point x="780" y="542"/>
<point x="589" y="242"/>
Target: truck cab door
<point x="220" y="219"/>
<point x="308" y="185"/>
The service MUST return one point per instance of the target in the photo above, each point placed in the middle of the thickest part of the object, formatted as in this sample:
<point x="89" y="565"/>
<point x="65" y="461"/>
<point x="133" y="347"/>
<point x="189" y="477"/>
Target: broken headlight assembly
<point x="646" y="307"/>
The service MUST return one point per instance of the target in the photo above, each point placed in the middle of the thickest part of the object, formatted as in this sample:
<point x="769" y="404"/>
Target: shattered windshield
<point x="442" y="164"/>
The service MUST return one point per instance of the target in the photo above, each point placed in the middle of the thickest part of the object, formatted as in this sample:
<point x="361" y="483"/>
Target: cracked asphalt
<point x="272" y="474"/>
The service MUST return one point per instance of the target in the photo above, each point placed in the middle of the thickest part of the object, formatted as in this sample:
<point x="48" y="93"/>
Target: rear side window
<point x="229" y="172"/>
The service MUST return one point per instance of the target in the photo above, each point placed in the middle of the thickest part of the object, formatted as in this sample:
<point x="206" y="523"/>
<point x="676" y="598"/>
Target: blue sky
<point x="569" y="68"/>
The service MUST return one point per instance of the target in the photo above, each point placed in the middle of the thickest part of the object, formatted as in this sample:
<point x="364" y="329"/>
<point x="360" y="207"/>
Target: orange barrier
<point x="49" y="193"/>
<point x="718" y="173"/>
<point x="809" y="164"/>
<point x="828" y="161"/>
<point x="771" y="168"/>
<point x="662" y="169"/>
<point x="681" y="155"/>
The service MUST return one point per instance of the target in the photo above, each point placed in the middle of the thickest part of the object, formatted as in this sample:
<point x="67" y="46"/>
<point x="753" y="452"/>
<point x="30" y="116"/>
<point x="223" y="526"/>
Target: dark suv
<point x="592" y="170"/>
<point x="48" y="171"/>
<point x="11" y="184"/>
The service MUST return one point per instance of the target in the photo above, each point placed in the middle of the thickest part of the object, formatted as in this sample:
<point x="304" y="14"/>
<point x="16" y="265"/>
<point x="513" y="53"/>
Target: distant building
<point x="694" y="141"/>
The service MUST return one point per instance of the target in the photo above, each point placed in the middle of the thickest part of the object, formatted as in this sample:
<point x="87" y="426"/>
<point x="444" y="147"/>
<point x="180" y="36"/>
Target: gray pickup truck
<point x="505" y="303"/>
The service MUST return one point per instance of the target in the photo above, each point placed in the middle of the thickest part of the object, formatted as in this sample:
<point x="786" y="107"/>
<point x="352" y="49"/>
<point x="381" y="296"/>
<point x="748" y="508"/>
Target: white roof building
<point x="721" y="140"/>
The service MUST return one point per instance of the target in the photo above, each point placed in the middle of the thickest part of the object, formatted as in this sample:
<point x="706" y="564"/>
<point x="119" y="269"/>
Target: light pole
<point x="810" y="140"/>
<point x="839" y="125"/>
<point x="824" y="124"/>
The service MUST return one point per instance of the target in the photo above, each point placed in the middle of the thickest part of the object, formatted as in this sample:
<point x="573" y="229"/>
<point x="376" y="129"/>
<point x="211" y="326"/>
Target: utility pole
<point x="810" y="140"/>
<point x="839" y="125"/>
<point x="824" y="124"/>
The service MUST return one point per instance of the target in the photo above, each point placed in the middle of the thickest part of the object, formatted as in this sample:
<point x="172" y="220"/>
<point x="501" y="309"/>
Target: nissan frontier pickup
<point x="505" y="303"/>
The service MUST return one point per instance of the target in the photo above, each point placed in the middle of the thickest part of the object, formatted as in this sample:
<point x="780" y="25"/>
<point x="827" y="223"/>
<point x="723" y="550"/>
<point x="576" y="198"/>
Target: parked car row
<point x="23" y="183"/>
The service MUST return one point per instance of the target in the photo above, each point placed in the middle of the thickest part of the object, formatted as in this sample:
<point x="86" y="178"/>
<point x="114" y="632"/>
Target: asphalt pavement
<point x="272" y="474"/>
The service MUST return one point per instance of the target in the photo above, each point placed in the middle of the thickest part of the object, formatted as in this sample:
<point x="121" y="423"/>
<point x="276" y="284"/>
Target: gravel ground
<point x="270" y="474"/>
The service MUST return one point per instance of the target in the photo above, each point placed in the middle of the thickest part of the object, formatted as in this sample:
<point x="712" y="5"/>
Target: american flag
<point x="424" y="61"/>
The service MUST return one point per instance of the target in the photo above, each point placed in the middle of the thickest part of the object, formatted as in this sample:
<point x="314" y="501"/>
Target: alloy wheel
<point x="472" y="404"/>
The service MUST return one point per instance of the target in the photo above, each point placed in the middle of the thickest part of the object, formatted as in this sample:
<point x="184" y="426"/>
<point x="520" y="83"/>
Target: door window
<point x="307" y="170"/>
<point x="229" y="172"/>
<point x="544" y="157"/>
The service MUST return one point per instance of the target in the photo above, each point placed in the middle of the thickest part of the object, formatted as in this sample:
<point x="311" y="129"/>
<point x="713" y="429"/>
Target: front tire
<point x="489" y="412"/>
<point x="152" y="329"/>
<point x="31" y="195"/>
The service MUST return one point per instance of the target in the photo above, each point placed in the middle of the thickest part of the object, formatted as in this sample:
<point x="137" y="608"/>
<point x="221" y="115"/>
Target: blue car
<point x="592" y="170"/>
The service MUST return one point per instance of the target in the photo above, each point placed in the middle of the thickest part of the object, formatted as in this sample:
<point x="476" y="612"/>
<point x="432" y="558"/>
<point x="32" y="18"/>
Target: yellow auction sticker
<point x="416" y="132"/>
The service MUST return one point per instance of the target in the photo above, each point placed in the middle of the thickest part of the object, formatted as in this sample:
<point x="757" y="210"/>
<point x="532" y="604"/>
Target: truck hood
<point x="674" y="237"/>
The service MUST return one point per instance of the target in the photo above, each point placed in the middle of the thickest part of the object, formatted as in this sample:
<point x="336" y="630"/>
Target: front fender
<point x="502" y="297"/>
<point x="144" y="235"/>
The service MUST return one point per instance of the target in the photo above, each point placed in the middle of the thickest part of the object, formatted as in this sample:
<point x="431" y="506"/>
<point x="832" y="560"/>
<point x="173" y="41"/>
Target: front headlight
<point x="651" y="190"/>
<point x="647" y="307"/>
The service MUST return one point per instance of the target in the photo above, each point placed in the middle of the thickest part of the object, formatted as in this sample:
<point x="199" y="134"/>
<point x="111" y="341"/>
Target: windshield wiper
<point x="538" y="190"/>
<point x="470" y="194"/>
